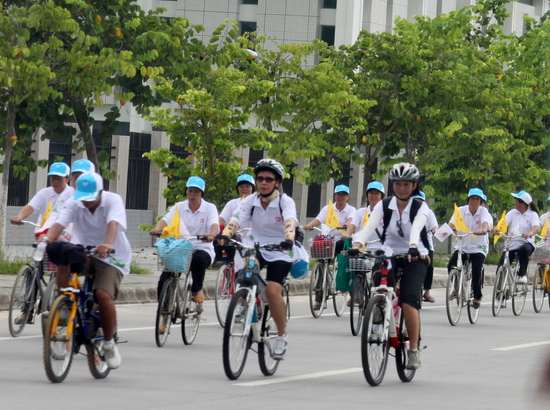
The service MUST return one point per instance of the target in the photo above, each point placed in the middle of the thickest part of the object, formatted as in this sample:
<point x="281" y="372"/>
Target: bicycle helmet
<point x="404" y="172"/>
<point x="268" y="164"/>
<point x="376" y="185"/>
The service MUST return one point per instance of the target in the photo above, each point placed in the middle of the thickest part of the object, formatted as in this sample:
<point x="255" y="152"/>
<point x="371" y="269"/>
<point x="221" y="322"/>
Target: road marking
<point x="20" y="337"/>
<point x="302" y="377"/>
<point x="523" y="346"/>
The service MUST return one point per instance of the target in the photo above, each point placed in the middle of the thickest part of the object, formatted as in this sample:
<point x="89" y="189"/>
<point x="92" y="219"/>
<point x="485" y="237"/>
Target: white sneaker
<point x="522" y="279"/>
<point x="112" y="356"/>
<point x="414" y="359"/>
<point x="280" y="347"/>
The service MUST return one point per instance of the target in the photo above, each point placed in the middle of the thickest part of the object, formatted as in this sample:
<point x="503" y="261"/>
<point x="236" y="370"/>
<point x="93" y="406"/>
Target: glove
<point x="353" y="252"/>
<point x="286" y="245"/>
<point x="222" y="237"/>
<point x="414" y="253"/>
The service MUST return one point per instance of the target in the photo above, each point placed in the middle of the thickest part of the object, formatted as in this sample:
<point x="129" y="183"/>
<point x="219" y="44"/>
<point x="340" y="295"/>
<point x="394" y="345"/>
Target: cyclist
<point x="477" y="219"/>
<point x="272" y="218"/>
<point x="523" y="220"/>
<point x="402" y="236"/>
<point x="544" y="216"/>
<point x="39" y="204"/>
<point x="199" y="218"/>
<point x="431" y="228"/>
<point x="99" y="219"/>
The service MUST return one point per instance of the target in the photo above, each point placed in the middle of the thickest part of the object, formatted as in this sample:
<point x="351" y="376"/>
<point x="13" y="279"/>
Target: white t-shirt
<point x="518" y="224"/>
<point x="267" y="225"/>
<point x="430" y="226"/>
<point x="198" y="223"/>
<point x="230" y="208"/>
<point x="474" y="222"/>
<point x="358" y="222"/>
<point x="543" y="220"/>
<point x="91" y="229"/>
<point x="39" y="202"/>
<point x="343" y="216"/>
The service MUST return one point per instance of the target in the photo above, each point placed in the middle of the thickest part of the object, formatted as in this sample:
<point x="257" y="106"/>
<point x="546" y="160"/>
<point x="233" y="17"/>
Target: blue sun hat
<point x="59" y="169"/>
<point x="341" y="188"/>
<point x="523" y="196"/>
<point x="477" y="192"/>
<point x="196" y="182"/>
<point x="376" y="185"/>
<point x="88" y="186"/>
<point x="83" y="165"/>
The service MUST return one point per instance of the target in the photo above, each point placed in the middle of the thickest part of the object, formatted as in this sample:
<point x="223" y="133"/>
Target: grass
<point x="11" y="266"/>
<point x="138" y="270"/>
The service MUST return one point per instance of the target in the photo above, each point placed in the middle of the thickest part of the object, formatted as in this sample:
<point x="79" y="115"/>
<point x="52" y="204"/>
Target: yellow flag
<point x="332" y="218"/>
<point x="173" y="229"/>
<point x="501" y="227"/>
<point x="365" y="218"/>
<point x="544" y="230"/>
<point x="46" y="214"/>
<point x="460" y="225"/>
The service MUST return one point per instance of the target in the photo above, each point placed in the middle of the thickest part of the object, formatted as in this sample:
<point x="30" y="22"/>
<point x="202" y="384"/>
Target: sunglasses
<point x="399" y="229"/>
<point x="269" y="180"/>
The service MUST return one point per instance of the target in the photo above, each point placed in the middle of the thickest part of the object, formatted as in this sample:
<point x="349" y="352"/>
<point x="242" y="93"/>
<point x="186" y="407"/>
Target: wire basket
<point x="175" y="254"/>
<point x="541" y="253"/>
<point x="361" y="265"/>
<point x="47" y="265"/>
<point x="322" y="248"/>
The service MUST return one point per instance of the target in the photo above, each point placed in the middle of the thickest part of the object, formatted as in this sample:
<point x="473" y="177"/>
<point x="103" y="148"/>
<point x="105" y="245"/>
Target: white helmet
<point x="404" y="172"/>
<point x="270" y="165"/>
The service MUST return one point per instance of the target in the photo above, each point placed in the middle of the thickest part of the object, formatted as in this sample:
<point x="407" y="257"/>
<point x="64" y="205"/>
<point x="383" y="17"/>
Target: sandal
<point x="198" y="298"/>
<point x="428" y="299"/>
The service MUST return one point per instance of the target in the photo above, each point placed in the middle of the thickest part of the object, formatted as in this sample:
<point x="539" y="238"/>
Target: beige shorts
<point x="106" y="277"/>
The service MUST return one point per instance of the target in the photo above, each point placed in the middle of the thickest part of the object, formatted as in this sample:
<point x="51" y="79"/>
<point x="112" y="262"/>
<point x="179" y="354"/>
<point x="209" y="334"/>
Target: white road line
<point x="302" y="377"/>
<point x="524" y="346"/>
<point x="20" y="337"/>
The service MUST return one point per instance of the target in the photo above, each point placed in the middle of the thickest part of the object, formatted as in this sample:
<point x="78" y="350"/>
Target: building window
<point x="249" y="2"/>
<point x="528" y="2"/>
<point x="313" y="200"/>
<point x="137" y="192"/>
<point x="327" y="34"/>
<point x="329" y="4"/>
<point x="247" y="27"/>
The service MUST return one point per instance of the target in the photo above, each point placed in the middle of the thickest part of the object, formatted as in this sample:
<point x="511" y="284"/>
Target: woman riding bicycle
<point x="524" y="221"/>
<point x="272" y="219"/>
<point x="403" y="237"/>
<point x="478" y="219"/>
<point x="545" y="216"/>
<point x="200" y="218"/>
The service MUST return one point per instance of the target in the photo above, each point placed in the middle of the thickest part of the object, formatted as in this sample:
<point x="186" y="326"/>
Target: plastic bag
<point x="344" y="276"/>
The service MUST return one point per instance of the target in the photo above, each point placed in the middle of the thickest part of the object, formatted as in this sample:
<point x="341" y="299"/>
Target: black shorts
<point x="277" y="271"/>
<point x="412" y="279"/>
<point x="66" y="253"/>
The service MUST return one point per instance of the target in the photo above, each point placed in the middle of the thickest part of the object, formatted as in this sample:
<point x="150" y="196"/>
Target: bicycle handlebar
<point x="268" y="246"/>
<point x="19" y="223"/>
<point x="186" y="237"/>
<point x="331" y="228"/>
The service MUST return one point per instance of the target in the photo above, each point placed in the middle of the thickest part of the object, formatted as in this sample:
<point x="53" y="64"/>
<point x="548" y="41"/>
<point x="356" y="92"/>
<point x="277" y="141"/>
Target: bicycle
<point x="506" y="286"/>
<point x="31" y="296"/>
<point x="460" y="292"/>
<point x="244" y="314"/>
<point x="541" y="282"/>
<point x="323" y="281"/>
<point x="175" y="301"/>
<point x="384" y="326"/>
<point x="74" y="321"/>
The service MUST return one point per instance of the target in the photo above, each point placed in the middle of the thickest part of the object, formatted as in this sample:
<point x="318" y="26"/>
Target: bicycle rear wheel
<point x="47" y="300"/>
<point x="58" y="344"/>
<point x="374" y="341"/>
<point x="359" y="298"/>
<point x="268" y="365"/>
<point x="519" y="295"/>
<point x="22" y="299"/>
<point x="453" y="300"/>
<point x="317" y="289"/>
<point x="499" y="290"/>
<point x="235" y="341"/>
<point x="96" y="356"/>
<point x="165" y="312"/>
<point x="402" y="353"/>
<point x="225" y="287"/>
<point x="539" y="290"/>
<point x="191" y="314"/>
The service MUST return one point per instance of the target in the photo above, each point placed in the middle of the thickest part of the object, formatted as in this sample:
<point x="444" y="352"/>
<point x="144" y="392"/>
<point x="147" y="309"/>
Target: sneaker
<point x="22" y="318"/>
<point x="280" y="347"/>
<point x="238" y="314"/>
<point x="112" y="356"/>
<point x="522" y="279"/>
<point x="414" y="359"/>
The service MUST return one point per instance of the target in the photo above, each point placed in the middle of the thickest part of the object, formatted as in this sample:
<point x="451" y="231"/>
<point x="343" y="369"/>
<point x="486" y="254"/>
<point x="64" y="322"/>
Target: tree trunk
<point x="11" y="108"/>
<point x="83" y="121"/>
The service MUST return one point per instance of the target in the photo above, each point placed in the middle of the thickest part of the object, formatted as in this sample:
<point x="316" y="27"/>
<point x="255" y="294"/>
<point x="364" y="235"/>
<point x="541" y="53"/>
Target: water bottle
<point x="39" y="252"/>
<point x="395" y="306"/>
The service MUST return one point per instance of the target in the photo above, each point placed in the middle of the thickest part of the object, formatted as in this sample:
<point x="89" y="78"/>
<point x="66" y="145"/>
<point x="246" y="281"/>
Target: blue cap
<point x="83" y="165"/>
<point x="548" y="199"/>
<point x="196" y="182"/>
<point x="341" y="188"/>
<point x="88" y="186"/>
<point x="524" y="196"/>
<point x="249" y="179"/>
<point x="484" y="197"/>
<point x="299" y="270"/>
<point x="60" y="169"/>
<point x="376" y="185"/>
<point x="421" y="195"/>
<point x="475" y="191"/>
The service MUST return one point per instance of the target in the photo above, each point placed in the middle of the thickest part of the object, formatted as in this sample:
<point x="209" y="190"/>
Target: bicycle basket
<point x="175" y="254"/>
<point x="322" y="248"/>
<point x="47" y="265"/>
<point x="541" y="253"/>
<point x="361" y="265"/>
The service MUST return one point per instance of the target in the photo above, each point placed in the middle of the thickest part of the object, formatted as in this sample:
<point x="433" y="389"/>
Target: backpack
<point x="298" y="235"/>
<point x="415" y="206"/>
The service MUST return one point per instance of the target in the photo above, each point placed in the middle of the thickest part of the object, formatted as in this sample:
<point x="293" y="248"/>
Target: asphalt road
<point x="495" y="364"/>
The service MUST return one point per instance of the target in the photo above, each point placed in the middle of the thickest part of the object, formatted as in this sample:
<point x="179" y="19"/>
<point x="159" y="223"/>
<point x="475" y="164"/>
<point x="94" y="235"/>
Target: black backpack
<point x="299" y="234"/>
<point x="415" y="206"/>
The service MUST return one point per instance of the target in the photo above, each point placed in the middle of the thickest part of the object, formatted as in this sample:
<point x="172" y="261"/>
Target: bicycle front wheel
<point x="165" y="312"/>
<point x="499" y="290"/>
<point x="268" y="365"/>
<point x="317" y="289"/>
<point x="22" y="299"/>
<point x="375" y="343"/>
<point x="58" y="343"/>
<point x="358" y="302"/>
<point x="402" y="353"/>
<point x="473" y="313"/>
<point x="236" y="341"/>
<point x="225" y="287"/>
<point x="191" y="317"/>
<point x="338" y="298"/>
<point x="96" y="356"/>
<point x="454" y="295"/>
<point x="519" y="295"/>
<point x="539" y="290"/>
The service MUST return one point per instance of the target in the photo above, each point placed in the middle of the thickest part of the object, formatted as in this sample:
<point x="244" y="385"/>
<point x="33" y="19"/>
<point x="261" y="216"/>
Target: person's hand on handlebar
<point x="222" y="239"/>
<point x="353" y="252"/>
<point x="287" y="244"/>
<point x="413" y="254"/>
<point x="16" y="221"/>
<point x="104" y="250"/>
<point x="155" y="231"/>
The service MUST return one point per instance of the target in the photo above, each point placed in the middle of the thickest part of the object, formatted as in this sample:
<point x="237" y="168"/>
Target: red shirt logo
<point x="202" y="221"/>
<point x="278" y="219"/>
